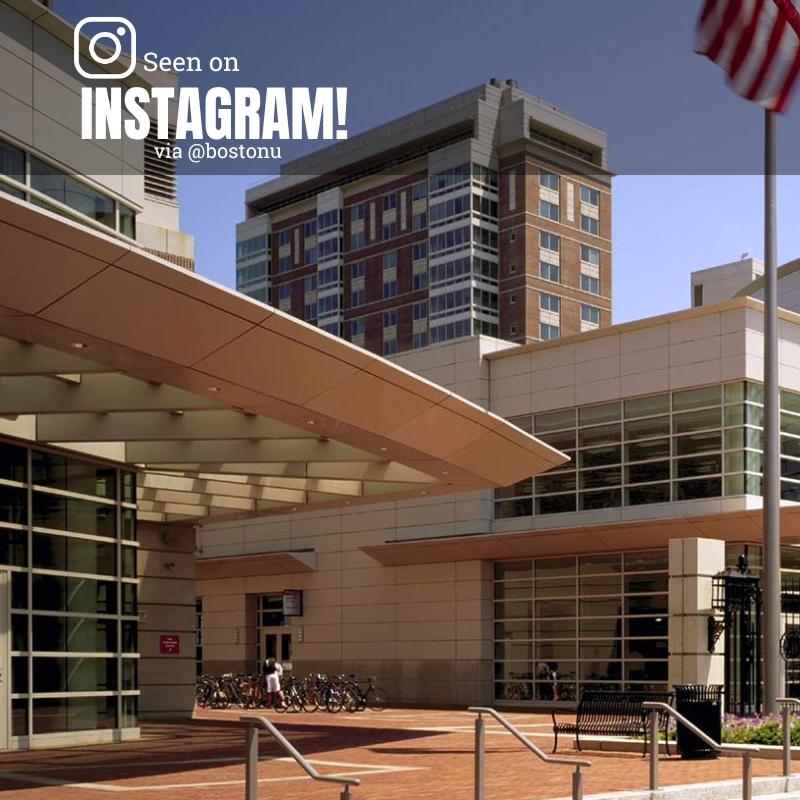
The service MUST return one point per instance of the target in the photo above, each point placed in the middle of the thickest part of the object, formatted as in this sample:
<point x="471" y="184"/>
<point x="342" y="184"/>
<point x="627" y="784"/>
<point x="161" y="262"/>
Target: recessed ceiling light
<point x="424" y="493"/>
<point x="79" y="345"/>
<point x="311" y="422"/>
<point x="383" y="449"/>
<point x="445" y="472"/>
<point x="214" y="389"/>
<point x="294" y="509"/>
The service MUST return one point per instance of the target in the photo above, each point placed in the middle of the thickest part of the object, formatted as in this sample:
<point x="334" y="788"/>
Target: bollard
<point x="653" y="751"/>
<point x="251" y="764"/>
<point x="787" y="741"/>
<point x="480" y="751"/>
<point x="345" y="795"/>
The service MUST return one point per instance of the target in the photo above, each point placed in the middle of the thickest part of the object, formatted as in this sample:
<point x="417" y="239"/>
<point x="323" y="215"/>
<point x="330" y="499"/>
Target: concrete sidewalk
<point x="397" y="753"/>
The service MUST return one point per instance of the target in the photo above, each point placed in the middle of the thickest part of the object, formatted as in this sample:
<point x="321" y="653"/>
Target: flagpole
<point x="771" y="486"/>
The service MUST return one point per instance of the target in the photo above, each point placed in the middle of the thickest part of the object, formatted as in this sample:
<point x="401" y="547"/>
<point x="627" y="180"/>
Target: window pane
<point x="74" y="514"/>
<point x="13" y="547"/>
<point x="13" y="460"/>
<point x="647" y="406"/>
<point x="697" y="420"/>
<point x="513" y="569"/>
<point x="647" y="428"/>
<point x="74" y="674"/>
<point x="642" y="451"/>
<point x="697" y="398"/>
<point x="645" y="494"/>
<point x="605" y="434"/>
<point x="58" y="472"/>
<point x="13" y="505"/>
<point x="74" y="634"/>
<point x="73" y="555"/>
<point x="60" y="714"/>
<point x="554" y="567"/>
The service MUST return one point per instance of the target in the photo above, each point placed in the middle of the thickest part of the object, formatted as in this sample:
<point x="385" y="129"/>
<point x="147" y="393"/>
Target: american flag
<point x="757" y="42"/>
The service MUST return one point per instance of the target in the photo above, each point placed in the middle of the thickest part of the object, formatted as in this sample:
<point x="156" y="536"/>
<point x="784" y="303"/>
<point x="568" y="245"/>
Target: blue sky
<point x="686" y="149"/>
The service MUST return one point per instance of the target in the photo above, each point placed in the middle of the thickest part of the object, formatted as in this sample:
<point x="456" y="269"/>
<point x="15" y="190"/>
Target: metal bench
<point x="612" y="713"/>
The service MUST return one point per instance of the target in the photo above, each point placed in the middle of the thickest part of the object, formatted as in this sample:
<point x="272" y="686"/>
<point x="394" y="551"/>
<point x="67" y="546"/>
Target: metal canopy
<point x="228" y="407"/>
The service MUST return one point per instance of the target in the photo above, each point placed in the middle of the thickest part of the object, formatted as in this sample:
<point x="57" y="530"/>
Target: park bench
<point x="612" y="713"/>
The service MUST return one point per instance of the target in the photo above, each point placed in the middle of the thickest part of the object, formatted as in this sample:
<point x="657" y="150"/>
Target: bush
<point x="757" y="730"/>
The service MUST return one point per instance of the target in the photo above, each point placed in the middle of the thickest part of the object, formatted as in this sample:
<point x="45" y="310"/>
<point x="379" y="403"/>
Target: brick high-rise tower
<point x="489" y="212"/>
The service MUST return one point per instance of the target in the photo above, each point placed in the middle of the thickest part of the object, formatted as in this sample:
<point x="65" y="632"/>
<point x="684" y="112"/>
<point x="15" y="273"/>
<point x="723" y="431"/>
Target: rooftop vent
<point x="495" y="82"/>
<point x="512" y="83"/>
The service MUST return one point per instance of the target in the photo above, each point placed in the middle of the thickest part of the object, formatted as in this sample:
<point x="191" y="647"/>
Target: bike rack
<point x="480" y="753"/>
<point x="745" y="750"/>
<point x="251" y="764"/>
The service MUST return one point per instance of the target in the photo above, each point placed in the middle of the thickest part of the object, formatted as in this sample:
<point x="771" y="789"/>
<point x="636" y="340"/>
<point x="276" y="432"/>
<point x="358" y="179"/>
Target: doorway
<point x="277" y="643"/>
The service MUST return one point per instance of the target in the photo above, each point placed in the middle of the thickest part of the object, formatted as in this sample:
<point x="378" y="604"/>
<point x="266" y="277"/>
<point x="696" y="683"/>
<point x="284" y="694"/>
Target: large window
<point x="565" y="625"/>
<point x="74" y="586"/>
<point x="687" y="445"/>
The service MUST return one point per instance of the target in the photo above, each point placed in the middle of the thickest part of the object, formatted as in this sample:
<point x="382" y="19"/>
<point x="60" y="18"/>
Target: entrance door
<point x="277" y="643"/>
<point x="5" y="671"/>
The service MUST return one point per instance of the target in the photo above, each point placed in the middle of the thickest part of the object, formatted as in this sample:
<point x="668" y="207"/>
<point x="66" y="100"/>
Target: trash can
<point x="702" y="706"/>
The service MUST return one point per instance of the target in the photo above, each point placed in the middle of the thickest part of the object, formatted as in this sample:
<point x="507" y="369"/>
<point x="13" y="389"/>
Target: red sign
<point x="170" y="644"/>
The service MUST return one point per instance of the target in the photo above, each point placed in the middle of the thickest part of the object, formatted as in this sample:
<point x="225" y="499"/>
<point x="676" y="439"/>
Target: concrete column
<point x="692" y="564"/>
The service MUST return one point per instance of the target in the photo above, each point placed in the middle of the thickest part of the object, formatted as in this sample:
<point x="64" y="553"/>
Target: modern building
<point x="487" y="213"/>
<point x="600" y="568"/>
<point x="124" y="423"/>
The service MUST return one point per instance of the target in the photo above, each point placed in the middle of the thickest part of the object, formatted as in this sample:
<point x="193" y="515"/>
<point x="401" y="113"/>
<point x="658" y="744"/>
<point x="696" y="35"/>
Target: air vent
<point x="159" y="173"/>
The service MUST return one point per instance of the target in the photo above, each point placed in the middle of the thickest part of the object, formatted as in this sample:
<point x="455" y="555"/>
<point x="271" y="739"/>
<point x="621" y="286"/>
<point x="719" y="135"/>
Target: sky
<point x="686" y="150"/>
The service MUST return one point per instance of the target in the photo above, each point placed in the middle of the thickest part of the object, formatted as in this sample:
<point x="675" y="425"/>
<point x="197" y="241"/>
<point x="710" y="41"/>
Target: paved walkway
<point x="397" y="753"/>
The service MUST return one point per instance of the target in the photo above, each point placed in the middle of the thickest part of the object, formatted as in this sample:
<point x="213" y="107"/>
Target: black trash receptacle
<point x="702" y="706"/>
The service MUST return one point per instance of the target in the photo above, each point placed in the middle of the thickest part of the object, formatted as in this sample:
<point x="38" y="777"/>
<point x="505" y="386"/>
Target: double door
<point x="277" y="643"/>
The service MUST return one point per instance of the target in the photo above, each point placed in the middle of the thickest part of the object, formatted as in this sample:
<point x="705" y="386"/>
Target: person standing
<point x="273" y="672"/>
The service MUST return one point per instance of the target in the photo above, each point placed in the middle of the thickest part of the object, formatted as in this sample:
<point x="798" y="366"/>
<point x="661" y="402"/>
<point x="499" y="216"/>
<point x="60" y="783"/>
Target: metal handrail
<point x="480" y="753"/>
<point x="251" y="774"/>
<point x="786" y="703"/>
<point x="746" y="750"/>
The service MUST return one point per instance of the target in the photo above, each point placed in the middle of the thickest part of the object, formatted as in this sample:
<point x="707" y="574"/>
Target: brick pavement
<point x="396" y="753"/>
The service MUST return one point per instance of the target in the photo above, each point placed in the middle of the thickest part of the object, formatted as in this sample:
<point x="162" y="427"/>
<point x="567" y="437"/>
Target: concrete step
<point x="768" y="788"/>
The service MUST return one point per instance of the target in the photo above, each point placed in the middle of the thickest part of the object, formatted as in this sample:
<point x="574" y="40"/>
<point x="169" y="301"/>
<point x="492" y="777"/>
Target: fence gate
<point x="737" y="594"/>
<point x="790" y="625"/>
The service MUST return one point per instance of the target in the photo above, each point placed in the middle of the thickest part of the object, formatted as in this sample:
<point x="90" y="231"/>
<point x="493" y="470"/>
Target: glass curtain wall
<point x="564" y="625"/>
<point x="68" y="539"/>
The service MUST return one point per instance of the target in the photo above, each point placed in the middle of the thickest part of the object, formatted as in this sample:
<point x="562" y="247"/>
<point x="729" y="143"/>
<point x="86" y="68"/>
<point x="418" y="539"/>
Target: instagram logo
<point x="109" y="38"/>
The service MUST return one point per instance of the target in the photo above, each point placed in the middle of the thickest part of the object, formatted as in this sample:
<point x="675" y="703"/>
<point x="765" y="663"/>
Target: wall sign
<point x="169" y="644"/>
<point x="292" y="603"/>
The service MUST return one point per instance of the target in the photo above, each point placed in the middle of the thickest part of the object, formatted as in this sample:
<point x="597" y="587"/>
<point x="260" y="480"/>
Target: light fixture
<point x="214" y="389"/>
<point x="383" y="449"/>
<point x="79" y="345"/>
<point x="445" y="472"/>
<point x="424" y="493"/>
<point x="311" y="422"/>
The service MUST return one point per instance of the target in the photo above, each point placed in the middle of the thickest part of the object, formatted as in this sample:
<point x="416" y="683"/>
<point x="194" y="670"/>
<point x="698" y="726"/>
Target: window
<point x="328" y="248"/>
<point x="390" y="318"/>
<point x="357" y="327"/>
<point x="357" y="212"/>
<point x="357" y="298"/>
<point x="310" y="256"/>
<point x="389" y="231"/>
<point x="590" y="196"/>
<point x="285" y="292"/>
<point x="284" y="264"/>
<point x="330" y="219"/>
<point x="389" y="260"/>
<point x="389" y="289"/>
<point x="590" y="314"/>
<point x="548" y="210"/>
<point x="549" y="241"/>
<point x="419" y="251"/>
<point x="310" y="228"/>
<point x="127" y="221"/>
<point x="590" y="225"/>
<point x="548" y="179"/>
<point x="310" y="283"/>
<point x="328" y="276"/>
<point x="419" y="191"/>
<point x="327" y="305"/>
<point x="513" y="299"/>
<point x="357" y="270"/>
<point x="61" y="187"/>
<point x="12" y="162"/>
<point x="697" y="295"/>
<point x="357" y="240"/>
<point x="284" y="238"/>
<point x="419" y="221"/>
<point x="250" y="247"/>
<point x="550" y="272"/>
<point x="420" y="310"/>
<point x="420" y="340"/>
<point x="550" y="302"/>
<point x="590" y="255"/>
<point x="420" y="281"/>
<point x="389" y="201"/>
<point x="547" y="332"/>
<point x="589" y="284"/>
<point x="390" y="347"/>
